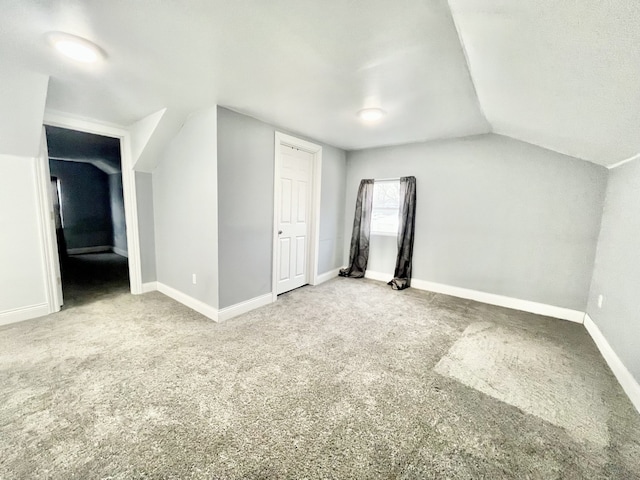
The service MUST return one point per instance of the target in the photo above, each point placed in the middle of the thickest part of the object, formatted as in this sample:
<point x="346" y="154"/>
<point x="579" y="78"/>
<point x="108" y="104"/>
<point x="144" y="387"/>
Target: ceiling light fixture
<point x="76" y="48"/>
<point x="371" y="114"/>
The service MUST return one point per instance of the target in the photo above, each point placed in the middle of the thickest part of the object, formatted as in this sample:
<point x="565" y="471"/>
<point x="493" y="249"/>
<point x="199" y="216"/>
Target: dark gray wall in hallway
<point x="86" y="207"/>
<point x="116" y="200"/>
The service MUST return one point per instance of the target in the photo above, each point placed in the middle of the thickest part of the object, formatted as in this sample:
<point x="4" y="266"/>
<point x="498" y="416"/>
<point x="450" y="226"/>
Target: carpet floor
<point x="349" y="379"/>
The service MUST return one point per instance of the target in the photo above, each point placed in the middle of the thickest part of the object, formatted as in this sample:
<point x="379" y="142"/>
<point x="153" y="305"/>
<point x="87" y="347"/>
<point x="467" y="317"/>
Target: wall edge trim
<point x="229" y="312"/>
<point x="24" y="313"/>
<point x="188" y="301"/>
<point x="325" y="277"/>
<point x="628" y="383"/>
<point x="489" y="298"/>
<point x="96" y="249"/>
<point x="149" y="287"/>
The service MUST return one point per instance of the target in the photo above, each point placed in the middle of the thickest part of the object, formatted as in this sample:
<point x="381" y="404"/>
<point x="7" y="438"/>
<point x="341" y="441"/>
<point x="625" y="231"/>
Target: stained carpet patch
<point x="541" y="378"/>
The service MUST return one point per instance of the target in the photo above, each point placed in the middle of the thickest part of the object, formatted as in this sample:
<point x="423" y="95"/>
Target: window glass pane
<point x="386" y="201"/>
<point x="386" y="194"/>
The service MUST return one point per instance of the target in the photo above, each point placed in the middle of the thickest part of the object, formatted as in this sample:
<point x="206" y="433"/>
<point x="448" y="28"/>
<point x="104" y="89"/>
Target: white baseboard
<point x="81" y="250"/>
<point x="120" y="251"/>
<point x="149" y="287"/>
<point x="627" y="381"/>
<point x="325" y="277"/>
<point x="98" y="249"/>
<point x="207" y="310"/>
<point x="24" y="313"/>
<point x="490" y="298"/>
<point x="193" y="303"/>
<point x="382" y="277"/>
<point x="244" y="307"/>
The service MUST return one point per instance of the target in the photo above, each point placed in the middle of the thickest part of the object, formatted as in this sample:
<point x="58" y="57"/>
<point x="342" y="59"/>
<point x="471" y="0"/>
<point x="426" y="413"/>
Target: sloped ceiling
<point x="561" y="74"/>
<point x="70" y="145"/>
<point x="556" y="73"/>
<point x="306" y="65"/>
<point x="22" y="101"/>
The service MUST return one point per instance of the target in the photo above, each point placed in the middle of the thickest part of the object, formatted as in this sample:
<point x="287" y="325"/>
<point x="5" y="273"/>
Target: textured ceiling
<point x="560" y="74"/>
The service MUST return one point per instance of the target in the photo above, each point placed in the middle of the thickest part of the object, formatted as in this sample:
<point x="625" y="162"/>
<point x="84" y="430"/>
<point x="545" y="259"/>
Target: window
<point x="386" y="203"/>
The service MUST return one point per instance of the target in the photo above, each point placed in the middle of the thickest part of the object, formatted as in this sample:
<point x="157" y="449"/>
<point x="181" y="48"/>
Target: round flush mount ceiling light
<point x="76" y="48"/>
<point x="371" y="114"/>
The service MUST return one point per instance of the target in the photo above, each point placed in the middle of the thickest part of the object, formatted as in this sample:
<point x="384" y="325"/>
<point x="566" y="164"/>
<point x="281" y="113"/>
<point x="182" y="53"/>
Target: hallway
<point x="89" y="277"/>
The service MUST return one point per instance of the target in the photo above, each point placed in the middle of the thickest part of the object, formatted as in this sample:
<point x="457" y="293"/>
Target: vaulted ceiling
<point x="72" y="146"/>
<point x="563" y="75"/>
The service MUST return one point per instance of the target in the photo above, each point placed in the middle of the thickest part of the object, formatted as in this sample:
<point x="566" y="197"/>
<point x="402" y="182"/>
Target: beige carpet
<point x="346" y="380"/>
<point x="535" y="376"/>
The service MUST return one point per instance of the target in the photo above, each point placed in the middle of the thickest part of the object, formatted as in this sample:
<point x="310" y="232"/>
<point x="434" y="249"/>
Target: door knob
<point x="279" y="232"/>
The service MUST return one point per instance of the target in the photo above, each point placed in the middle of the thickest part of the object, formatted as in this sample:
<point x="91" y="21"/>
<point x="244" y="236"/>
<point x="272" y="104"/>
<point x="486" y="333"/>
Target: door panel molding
<point x="312" y="246"/>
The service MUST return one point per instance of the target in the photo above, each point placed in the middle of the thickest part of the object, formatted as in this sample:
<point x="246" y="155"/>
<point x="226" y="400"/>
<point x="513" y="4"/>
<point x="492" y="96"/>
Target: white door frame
<point x="47" y="228"/>
<point x="316" y="172"/>
<point x="64" y="120"/>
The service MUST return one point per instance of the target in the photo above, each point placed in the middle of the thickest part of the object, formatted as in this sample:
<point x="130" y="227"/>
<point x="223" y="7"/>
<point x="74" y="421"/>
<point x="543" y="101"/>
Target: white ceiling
<point x="560" y="74"/>
<point x="306" y="65"/>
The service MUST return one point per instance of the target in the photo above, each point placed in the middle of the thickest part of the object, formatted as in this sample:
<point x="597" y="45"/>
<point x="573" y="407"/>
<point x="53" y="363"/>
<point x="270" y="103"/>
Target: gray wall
<point x="333" y="196"/>
<point x="86" y="207"/>
<point x="186" y="211"/>
<point x="245" y="190"/>
<point x="617" y="267"/>
<point x="493" y="214"/>
<point x="118" y="222"/>
<point x="144" y="196"/>
<point x="22" y="275"/>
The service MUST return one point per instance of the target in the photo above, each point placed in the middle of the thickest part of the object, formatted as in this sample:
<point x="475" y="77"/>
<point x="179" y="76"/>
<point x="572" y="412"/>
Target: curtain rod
<point x="385" y="179"/>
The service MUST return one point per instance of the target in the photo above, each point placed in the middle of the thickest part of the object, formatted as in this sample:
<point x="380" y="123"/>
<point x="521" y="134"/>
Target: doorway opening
<point x="86" y="191"/>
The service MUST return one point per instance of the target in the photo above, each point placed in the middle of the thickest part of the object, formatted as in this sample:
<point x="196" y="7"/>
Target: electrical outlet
<point x="600" y="300"/>
<point x="193" y="279"/>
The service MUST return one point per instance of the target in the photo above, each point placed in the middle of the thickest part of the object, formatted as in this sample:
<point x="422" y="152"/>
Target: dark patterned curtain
<point x="359" y="252"/>
<point x="406" y="230"/>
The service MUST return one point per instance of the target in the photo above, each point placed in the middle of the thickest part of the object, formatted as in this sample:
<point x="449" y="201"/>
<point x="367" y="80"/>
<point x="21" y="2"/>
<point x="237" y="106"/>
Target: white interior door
<point x="293" y="212"/>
